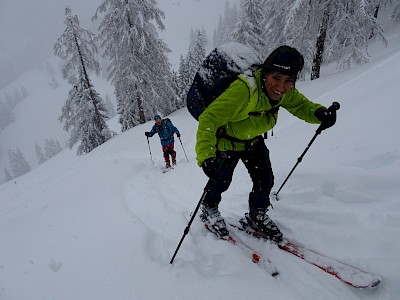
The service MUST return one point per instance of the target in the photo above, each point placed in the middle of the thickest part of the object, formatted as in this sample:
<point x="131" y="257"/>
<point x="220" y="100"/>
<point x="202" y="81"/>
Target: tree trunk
<point x="142" y="118"/>
<point x="319" y="51"/>
<point x="376" y="11"/>
<point x="88" y="85"/>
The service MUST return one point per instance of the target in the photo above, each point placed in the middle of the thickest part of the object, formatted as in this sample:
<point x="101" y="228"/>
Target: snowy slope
<point x="36" y="116"/>
<point x="105" y="225"/>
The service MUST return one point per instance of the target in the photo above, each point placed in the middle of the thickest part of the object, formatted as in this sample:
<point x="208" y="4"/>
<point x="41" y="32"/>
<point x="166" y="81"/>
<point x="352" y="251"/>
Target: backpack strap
<point x="166" y="123"/>
<point x="221" y="133"/>
<point x="272" y="111"/>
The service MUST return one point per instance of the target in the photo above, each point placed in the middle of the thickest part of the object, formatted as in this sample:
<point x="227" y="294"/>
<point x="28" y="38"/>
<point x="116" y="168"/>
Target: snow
<point x="105" y="225"/>
<point x="238" y="57"/>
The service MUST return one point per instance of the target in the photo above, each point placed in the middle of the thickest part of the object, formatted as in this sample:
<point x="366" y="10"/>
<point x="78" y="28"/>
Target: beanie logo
<point x="282" y="67"/>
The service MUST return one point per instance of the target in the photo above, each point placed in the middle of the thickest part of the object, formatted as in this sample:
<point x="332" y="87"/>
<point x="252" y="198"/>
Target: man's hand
<point x="147" y="133"/>
<point x="326" y="116"/>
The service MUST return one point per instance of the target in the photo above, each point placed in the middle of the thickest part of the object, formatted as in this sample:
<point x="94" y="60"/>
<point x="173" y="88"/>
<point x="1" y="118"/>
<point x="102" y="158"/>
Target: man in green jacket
<point x="231" y="127"/>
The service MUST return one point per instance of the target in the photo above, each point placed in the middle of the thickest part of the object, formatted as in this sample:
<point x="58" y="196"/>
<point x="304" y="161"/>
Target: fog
<point x="29" y="29"/>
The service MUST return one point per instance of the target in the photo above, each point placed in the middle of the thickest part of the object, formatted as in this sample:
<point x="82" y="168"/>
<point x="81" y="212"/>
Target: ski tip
<point x="275" y="273"/>
<point x="255" y="257"/>
<point x="375" y="283"/>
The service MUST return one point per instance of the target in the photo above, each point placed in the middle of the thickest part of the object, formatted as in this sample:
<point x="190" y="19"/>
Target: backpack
<point x="219" y="69"/>
<point x="164" y="121"/>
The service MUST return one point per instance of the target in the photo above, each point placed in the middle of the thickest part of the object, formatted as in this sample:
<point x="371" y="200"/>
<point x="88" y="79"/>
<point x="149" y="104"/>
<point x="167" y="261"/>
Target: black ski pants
<point x="256" y="159"/>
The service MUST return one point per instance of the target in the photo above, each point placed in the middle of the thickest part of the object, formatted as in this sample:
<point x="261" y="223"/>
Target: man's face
<point x="277" y="84"/>
<point x="158" y="121"/>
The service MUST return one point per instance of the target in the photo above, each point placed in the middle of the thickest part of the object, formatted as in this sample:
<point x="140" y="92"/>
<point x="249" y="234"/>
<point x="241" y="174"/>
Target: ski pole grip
<point x="334" y="106"/>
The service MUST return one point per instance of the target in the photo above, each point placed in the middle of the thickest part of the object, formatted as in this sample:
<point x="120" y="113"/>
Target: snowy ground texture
<point x="105" y="225"/>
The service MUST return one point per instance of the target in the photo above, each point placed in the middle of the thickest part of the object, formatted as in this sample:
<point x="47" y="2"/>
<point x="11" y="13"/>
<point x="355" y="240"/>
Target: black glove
<point x="147" y="133"/>
<point x="210" y="168"/>
<point x="326" y="116"/>
<point x="178" y="135"/>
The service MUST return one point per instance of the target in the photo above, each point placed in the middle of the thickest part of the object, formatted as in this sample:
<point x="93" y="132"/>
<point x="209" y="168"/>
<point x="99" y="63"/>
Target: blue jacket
<point x="165" y="132"/>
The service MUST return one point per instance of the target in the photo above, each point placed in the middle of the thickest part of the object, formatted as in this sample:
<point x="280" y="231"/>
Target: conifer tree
<point x="80" y="115"/>
<point x="7" y="175"/>
<point x="226" y="25"/>
<point x="395" y="16"/>
<point x="18" y="164"/>
<point x="189" y="65"/>
<point x="77" y="48"/>
<point x="199" y="51"/>
<point x="250" y="28"/>
<point x="179" y="101"/>
<point x="183" y="77"/>
<point x="323" y="30"/>
<point x="84" y="112"/>
<point x="6" y="115"/>
<point x="139" y="68"/>
<point x="52" y="147"/>
<point x="109" y="108"/>
<point x="40" y="154"/>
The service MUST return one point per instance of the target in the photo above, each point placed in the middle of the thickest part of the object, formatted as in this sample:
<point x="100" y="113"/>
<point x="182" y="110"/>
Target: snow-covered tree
<point x="189" y="65"/>
<point x="250" y="28"/>
<point x="217" y="35"/>
<point x="7" y="175"/>
<point x="376" y="5"/>
<point x="179" y="100"/>
<point x="205" y="37"/>
<point x="395" y="16"/>
<point x="348" y="37"/>
<point x="139" y="68"/>
<point x="40" y="154"/>
<point x="198" y="52"/>
<point x="110" y="110"/>
<point x="18" y="164"/>
<point x="12" y="99"/>
<point x="84" y="116"/>
<point x="183" y="77"/>
<point x="6" y="115"/>
<point x="323" y="30"/>
<point x="226" y="24"/>
<point x="76" y="46"/>
<point x="83" y="111"/>
<point x="52" y="147"/>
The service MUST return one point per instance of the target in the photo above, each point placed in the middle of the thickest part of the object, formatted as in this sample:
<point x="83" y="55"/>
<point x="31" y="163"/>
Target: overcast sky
<point x="29" y="29"/>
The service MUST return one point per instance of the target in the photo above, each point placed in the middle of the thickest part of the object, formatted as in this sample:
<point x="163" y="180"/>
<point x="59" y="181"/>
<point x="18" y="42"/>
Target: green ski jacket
<point x="231" y="111"/>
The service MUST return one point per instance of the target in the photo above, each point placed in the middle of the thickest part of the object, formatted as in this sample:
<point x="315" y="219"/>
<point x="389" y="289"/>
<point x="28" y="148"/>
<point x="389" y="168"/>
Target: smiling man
<point x="231" y="128"/>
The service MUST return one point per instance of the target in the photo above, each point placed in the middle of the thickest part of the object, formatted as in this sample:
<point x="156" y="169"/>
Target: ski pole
<point x="148" y="143"/>
<point x="186" y="231"/>
<point x="334" y="106"/>
<point x="183" y="148"/>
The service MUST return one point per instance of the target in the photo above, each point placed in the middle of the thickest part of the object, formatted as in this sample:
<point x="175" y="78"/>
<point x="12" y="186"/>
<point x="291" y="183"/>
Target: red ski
<point x="348" y="274"/>
<point x="264" y="263"/>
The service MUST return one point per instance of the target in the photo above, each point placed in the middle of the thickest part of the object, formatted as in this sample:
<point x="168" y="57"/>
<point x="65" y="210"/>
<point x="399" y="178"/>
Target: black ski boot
<point x="212" y="217"/>
<point x="259" y="220"/>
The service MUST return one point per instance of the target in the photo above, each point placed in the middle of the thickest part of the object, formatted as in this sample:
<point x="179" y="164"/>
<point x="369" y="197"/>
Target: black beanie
<point x="284" y="59"/>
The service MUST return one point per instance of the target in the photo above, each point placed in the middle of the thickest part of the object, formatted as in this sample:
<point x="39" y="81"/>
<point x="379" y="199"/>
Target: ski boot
<point x="259" y="220"/>
<point x="212" y="217"/>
